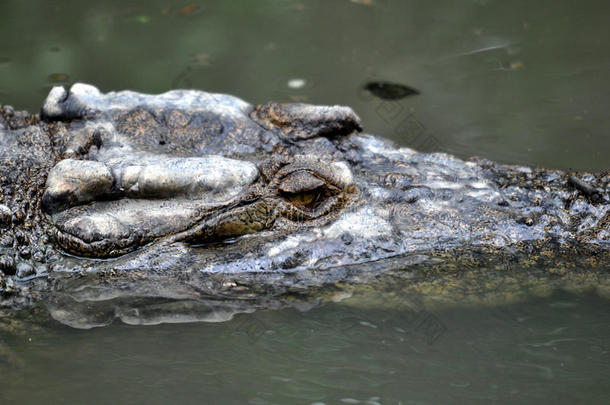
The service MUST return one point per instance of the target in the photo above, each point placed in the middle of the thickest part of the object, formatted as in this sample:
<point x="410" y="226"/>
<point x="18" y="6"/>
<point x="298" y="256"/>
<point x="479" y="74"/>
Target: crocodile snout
<point x="105" y="208"/>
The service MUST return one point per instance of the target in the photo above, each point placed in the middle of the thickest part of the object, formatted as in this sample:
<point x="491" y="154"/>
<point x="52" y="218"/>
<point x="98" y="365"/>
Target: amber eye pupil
<point x="304" y="198"/>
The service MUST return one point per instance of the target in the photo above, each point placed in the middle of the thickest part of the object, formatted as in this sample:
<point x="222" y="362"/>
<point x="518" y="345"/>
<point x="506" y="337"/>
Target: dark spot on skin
<point x="22" y="238"/>
<point x="414" y="194"/>
<point x="347" y="238"/>
<point x="18" y="217"/>
<point x="294" y="260"/>
<point x="7" y="265"/>
<point x="390" y="91"/>
<point x="25" y="252"/>
<point x="529" y="221"/>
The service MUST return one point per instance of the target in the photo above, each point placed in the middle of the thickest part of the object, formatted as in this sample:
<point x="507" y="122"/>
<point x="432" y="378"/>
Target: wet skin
<point x="203" y="196"/>
<point x="106" y="210"/>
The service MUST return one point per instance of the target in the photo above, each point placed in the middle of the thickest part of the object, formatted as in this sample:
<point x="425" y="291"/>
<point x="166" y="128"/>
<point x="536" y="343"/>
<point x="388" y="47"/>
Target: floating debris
<point x="506" y="65"/>
<point x="363" y="2"/>
<point x="296" y="83"/>
<point x="390" y="91"/>
<point x="54" y="49"/>
<point x="191" y="8"/>
<point x="4" y="59"/>
<point x="201" y="59"/>
<point x="516" y="65"/>
<point x="58" y="77"/>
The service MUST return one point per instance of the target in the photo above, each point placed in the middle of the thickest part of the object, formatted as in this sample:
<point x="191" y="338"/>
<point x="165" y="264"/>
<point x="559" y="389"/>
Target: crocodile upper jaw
<point x="106" y="208"/>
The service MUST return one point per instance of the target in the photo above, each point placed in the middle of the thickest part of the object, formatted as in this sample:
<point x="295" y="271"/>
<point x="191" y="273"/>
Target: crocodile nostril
<point x="73" y="182"/>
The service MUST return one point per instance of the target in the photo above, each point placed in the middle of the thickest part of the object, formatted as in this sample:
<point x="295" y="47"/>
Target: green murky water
<point x="519" y="82"/>
<point x="542" y="350"/>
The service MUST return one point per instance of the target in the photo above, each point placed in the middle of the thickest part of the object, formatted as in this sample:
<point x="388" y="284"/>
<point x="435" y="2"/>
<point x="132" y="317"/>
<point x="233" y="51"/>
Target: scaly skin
<point x="195" y="196"/>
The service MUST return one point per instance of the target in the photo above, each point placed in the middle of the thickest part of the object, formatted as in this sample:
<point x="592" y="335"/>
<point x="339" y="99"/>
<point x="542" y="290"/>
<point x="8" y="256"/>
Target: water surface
<point x="551" y="349"/>
<point x="518" y="82"/>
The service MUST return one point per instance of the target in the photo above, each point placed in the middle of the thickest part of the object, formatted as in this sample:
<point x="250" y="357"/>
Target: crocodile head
<point x="196" y="196"/>
<point x="137" y="172"/>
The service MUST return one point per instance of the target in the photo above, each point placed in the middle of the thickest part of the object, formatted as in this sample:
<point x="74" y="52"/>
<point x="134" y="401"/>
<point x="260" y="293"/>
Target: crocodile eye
<point x="303" y="189"/>
<point x="305" y="199"/>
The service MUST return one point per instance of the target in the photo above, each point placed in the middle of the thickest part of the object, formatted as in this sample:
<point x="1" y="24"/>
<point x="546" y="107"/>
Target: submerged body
<point x="124" y="197"/>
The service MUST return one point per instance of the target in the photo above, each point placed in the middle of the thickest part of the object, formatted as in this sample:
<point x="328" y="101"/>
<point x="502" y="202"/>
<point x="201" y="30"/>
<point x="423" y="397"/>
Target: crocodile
<point x="201" y="205"/>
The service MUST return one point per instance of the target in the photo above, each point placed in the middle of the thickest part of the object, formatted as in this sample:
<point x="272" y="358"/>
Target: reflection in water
<point x="140" y="311"/>
<point x="95" y="299"/>
<point x="551" y="349"/>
